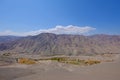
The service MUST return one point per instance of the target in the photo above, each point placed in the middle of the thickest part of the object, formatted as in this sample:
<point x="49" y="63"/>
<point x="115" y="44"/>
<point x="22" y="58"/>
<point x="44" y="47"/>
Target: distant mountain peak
<point x="46" y="34"/>
<point x="52" y="44"/>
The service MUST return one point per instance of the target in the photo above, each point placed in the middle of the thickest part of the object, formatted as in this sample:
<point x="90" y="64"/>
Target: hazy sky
<point x="57" y="16"/>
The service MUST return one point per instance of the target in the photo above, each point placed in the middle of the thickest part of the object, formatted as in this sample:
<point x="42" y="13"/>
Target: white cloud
<point x="70" y="29"/>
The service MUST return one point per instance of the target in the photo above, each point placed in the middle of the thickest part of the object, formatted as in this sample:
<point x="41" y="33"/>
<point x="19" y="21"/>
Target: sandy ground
<point x="49" y="70"/>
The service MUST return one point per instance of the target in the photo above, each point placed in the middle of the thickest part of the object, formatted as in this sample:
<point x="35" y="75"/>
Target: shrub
<point x="6" y="54"/>
<point x="26" y="61"/>
<point x="74" y="61"/>
<point x="91" y="62"/>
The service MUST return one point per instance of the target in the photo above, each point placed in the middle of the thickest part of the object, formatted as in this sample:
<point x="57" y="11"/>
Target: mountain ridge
<point x="52" y="44"/>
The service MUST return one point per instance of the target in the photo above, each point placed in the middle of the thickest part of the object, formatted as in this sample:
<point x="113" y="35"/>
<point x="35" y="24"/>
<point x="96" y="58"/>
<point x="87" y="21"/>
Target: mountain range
<point x="62" y="44"/>
<point x="8" y="38"/>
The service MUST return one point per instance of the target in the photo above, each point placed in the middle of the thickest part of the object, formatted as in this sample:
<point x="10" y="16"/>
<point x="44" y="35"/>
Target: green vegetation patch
<point x="75" y="61"/>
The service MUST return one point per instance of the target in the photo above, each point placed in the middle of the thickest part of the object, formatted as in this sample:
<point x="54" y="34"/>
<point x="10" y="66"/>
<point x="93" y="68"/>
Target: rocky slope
<point x="52" y="44"/>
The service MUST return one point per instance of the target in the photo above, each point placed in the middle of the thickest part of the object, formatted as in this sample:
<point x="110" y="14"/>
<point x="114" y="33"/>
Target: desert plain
<point x="53" y="70"/>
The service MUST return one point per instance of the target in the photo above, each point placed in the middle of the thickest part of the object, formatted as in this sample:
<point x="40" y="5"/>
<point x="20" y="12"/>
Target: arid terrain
<point x="60" y="57"/>
<point x="59" y="39"/>
<point x="108" y="69"/>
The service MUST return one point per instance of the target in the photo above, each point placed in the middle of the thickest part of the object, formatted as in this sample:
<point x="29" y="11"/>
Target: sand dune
<point x="49" y="70"/>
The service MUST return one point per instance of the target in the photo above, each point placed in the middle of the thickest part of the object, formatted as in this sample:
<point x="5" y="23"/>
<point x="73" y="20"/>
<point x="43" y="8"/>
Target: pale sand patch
<point x="15" y="65"/>
<point x="59" y="71"/>
<point x="52" y="70"/>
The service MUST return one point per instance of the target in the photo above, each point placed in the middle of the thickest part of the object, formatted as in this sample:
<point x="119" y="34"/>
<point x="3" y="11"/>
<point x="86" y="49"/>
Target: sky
<point x="31" y="17"/>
